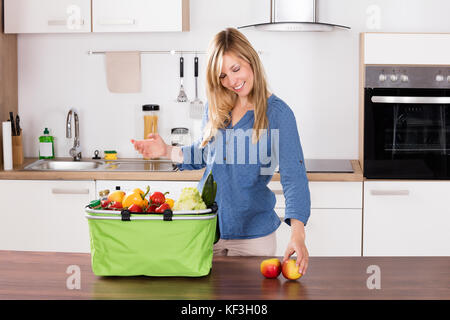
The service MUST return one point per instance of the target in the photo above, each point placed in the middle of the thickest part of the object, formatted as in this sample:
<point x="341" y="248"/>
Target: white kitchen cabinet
<point x="406" y="48"/>
<point x="329" y="232"/>
<point x="406" y="218"/>
<point x="335" y="225"/>
<point x="47" y="16"/>
<point x="43" y="215"/>
<point x="140" y="15"/>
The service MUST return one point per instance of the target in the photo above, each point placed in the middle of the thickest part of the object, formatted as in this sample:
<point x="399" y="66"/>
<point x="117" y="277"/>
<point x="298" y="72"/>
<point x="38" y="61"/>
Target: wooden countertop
<point x="187" y="175"/>
<point x="42" y="275"/>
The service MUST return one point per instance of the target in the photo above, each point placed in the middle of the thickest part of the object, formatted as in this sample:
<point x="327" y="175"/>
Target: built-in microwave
<point x="407" y="122"/>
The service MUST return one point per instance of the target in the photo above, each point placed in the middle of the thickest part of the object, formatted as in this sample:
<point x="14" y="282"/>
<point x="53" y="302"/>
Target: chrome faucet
<point x="75" y="151"/>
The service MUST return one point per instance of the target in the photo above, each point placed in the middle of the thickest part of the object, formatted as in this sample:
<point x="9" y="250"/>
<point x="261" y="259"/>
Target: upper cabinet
<point x="74" y="16"/>
<point x="47" y="16"/>
<point x="406" y="48"/>
<point x="140" y="15"/>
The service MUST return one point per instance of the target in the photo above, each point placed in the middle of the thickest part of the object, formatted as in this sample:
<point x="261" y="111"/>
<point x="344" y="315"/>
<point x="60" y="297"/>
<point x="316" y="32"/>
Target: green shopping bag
<point x="178" y="243"/>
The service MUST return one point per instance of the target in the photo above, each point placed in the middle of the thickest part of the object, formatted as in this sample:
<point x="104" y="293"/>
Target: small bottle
<point x="104" y="194"/>
<point x="104" y="203"/>
<point x="46" y="148"/>
<point x="180" y="137"/>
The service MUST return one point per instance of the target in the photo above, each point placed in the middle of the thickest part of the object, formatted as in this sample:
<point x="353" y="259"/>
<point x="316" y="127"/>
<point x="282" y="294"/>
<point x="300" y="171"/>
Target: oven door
<point x="407" y="133"/>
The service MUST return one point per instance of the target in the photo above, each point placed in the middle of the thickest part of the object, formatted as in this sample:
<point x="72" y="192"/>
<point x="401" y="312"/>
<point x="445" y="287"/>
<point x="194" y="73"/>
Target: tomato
<point x="116" y="205"/>
<point x="105" y="203"/>
<point x="151" y="209"/>
<point x="162" y="208"/>
<point x="135" y="208"/>
<point x="158" y="198"/>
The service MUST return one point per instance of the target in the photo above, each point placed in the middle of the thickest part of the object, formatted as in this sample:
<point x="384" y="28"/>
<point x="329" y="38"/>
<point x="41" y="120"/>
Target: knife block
<point x="17" y="149"/>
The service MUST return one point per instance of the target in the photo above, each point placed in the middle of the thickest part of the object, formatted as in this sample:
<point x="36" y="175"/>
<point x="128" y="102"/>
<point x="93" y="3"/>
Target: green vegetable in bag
<point x="189" y="199"/>
<point x="209" y="190"/>
<point x="95" y="204"/>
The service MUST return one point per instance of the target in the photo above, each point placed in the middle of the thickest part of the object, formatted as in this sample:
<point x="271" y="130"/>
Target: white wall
<point x="315" y="73"/>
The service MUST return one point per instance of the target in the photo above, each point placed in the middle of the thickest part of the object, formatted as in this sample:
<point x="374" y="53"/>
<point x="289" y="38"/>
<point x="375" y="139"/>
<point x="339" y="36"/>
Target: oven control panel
<point x="391" y="76"/>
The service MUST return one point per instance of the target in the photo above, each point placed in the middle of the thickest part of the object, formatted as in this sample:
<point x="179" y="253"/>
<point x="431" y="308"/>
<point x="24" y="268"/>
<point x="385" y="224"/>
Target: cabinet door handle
<point x="62" y="22"/>
<point x="389" y="192"/>
<point x="56" y="22"/>
<point x="110" y="22"/>
<point x="69" y="191"/>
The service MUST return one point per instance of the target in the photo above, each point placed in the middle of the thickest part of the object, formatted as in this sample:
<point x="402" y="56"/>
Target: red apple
<point x="290" y="270"/>
<point x="271" y="268"/>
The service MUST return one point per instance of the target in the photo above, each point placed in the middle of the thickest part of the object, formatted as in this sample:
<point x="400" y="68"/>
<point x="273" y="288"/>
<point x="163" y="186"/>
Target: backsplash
<point x="315" y="73"/>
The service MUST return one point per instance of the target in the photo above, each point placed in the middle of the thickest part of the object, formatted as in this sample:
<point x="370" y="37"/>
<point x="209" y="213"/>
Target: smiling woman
<point x="235" y="82"/>
<point x="239" y="102"/>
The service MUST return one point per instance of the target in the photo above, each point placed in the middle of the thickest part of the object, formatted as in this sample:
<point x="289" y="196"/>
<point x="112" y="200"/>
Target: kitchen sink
<point x="101" y="165"/>
<point x="140" y="165"/>
<point x="64" y="165"/>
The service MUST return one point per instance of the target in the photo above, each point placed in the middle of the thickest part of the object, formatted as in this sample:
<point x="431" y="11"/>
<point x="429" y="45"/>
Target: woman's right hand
<point x="152" y="147"/>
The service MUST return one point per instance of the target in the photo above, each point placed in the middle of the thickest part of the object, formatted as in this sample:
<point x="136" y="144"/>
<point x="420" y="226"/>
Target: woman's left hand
<point x="297" y="245"/>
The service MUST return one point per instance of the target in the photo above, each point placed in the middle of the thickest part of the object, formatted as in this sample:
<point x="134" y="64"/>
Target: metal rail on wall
<point x="172" y="52"/>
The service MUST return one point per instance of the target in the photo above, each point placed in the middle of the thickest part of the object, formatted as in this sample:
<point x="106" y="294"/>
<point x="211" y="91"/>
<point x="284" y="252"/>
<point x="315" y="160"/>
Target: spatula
<point x="196" y="107"/>
<point x="182" y="97"/>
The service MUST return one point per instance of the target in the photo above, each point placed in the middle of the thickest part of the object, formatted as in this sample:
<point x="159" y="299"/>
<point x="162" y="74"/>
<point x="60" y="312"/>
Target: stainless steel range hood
<point x="294" y="15"/>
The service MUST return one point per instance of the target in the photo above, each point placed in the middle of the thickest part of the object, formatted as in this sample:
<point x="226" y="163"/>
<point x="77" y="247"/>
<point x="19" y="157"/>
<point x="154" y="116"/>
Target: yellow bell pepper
<point x="132" y="198"/>
<point x="170" y="202"/>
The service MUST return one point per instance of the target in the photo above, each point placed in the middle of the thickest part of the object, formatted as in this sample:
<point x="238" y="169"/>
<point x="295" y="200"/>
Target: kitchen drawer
<point x="406" y="218"/>
<point x="329" y="232"/>
<point x="50" y="219"/>
<point x="326" y="194"/>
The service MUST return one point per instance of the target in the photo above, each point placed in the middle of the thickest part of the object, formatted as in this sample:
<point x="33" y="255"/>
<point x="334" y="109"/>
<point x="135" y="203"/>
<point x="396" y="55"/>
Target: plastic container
<point x="46" y="147"/>
<point x="180" y="137"/>
<point x="178" y="243"/>
<point x="150" y="112"/>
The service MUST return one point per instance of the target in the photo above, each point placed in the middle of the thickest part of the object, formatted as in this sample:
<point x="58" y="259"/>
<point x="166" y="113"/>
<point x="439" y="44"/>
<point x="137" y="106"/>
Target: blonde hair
<point x="221" y="100"/>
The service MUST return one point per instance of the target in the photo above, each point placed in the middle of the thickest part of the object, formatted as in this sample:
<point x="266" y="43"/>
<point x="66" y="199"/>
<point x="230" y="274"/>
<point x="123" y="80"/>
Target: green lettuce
<point x="190" y="199"/>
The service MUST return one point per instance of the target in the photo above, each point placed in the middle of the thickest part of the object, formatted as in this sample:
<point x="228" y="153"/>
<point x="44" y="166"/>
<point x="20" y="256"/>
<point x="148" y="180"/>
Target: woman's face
<point x="237" y="75"/>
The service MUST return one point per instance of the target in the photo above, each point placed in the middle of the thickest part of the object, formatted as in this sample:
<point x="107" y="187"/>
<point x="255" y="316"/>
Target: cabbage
<point x="190" y="199"/>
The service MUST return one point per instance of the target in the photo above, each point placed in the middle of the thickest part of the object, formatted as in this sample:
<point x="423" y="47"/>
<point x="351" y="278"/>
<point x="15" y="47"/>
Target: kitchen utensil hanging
<point x="196" y="108"/>
<point x="182" y="97"/>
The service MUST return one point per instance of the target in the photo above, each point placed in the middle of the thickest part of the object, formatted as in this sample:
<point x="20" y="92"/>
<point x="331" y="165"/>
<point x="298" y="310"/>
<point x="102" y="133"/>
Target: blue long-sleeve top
<point x="243" y="170"/>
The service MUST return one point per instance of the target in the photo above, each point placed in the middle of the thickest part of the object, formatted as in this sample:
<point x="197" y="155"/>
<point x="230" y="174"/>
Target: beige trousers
<point x="264" y="246"/>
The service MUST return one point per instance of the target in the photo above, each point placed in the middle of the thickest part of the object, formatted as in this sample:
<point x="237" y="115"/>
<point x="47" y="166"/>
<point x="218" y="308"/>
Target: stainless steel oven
<point x="407" y="122"/>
